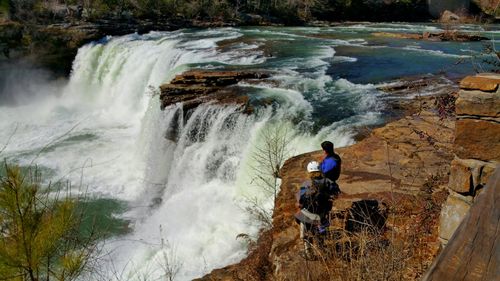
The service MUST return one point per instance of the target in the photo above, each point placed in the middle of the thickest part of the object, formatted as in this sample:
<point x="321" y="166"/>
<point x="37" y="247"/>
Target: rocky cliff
<point x="395" y="181"/>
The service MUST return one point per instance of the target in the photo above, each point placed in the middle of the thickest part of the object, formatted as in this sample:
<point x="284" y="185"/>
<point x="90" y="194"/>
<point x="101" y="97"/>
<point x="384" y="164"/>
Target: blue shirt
<point x="328" y="164"/>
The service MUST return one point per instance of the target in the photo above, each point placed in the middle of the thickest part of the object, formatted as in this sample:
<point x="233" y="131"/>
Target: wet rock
<point x="195" y="87"/>
<point x="11" y="34"/>
<point x="441" y="36"/>
<point x="398" y="35"/>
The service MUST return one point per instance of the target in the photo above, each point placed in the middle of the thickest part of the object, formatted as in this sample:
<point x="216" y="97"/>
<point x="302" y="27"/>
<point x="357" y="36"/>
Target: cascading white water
<point x="189" y="178"/>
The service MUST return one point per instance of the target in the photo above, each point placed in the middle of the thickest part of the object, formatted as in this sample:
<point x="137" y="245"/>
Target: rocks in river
<point x="449" y="17"/>
<point x="451" y="35"/>
<point x="195" y="87"/>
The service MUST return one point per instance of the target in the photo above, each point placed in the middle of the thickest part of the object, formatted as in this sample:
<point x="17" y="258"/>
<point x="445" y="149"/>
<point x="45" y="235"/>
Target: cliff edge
<point x="396" y="181"/>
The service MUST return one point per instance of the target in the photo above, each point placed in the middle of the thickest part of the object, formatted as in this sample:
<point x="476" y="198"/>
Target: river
<point x="102" y="130"/>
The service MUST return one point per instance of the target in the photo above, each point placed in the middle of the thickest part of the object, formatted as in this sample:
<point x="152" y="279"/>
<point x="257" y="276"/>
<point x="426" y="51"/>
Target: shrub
<point x="39" y="232"/>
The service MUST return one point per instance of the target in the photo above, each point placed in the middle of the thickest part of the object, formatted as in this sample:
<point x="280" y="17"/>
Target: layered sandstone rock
<point x="476" y="145"/>
<point x="195" y="87"/>
<point x="473" y="251"/>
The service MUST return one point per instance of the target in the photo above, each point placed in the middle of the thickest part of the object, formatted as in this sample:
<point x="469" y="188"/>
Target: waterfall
<point x="186" y="181"/>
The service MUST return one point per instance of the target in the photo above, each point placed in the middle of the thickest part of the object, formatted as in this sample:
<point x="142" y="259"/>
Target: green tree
<point x="40" y="237"/>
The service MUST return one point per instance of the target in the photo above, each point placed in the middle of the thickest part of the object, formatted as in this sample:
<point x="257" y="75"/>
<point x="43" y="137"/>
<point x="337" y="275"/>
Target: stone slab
<point x="452" y="214"/>
<point x="477" y="139"/>
<point x="486" y="83"/>
<point x="460" y="176"/>
<point x="478" y="103"/>
<point x="487" y="171"/>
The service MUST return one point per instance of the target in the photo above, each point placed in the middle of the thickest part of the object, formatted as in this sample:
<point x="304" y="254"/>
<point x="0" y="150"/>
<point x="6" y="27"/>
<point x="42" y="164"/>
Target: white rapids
<point x="104" y="131"/>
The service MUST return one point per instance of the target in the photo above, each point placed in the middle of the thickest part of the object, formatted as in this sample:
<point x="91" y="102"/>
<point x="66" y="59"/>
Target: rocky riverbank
<point x="398" y="174"/>
<point x="401" y="169"/>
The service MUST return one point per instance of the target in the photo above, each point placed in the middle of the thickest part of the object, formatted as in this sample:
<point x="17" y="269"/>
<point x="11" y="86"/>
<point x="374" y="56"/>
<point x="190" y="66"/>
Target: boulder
<point x="447" y="17"/>
<point x="478" y="103"/>
<point x="481" y="82"/>
<point x="452" y="213"/>
<point x="477" y="139"/>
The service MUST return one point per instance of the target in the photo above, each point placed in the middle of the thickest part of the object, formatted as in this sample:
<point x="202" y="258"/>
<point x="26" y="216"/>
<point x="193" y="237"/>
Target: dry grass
<point x="402" y="248"/>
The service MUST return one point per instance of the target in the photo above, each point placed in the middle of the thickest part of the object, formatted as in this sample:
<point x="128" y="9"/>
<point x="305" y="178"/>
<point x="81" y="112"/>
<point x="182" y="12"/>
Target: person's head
<point x="313" y="169"/>
<point x="327" y="147"/>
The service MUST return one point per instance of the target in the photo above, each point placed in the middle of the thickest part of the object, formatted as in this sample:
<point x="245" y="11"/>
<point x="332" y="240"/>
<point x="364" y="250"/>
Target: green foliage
<point x="286" y="11"/>
<point x="4" y="9"/>
<point x="39" y="238"/>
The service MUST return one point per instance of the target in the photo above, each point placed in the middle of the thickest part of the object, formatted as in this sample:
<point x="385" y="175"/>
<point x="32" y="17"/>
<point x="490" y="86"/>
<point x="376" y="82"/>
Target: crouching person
<point x="315" y="205"/>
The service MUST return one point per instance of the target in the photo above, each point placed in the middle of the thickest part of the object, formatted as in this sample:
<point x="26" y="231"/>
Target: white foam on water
<point x="188" y="176"/>
<point x="342" y="59"/>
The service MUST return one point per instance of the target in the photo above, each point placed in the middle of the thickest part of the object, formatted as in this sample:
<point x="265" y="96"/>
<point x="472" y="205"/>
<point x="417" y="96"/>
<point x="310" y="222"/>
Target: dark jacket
<point x="315" y="196"/>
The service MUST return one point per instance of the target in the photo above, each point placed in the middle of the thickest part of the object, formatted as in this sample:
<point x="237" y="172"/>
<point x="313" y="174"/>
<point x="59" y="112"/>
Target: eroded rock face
<point x="195" y="87"/>
<point x="470" y="233"/>
<point x="478" y="103"/>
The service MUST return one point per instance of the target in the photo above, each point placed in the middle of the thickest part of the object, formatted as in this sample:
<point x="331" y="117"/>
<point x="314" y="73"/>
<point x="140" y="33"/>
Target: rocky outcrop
<point x="52" y="46"/>
<point x="431" y="36"/>
<point x="195" y="87"/>
<point x="396" y="176"/>
<point x="449" y="17"/>
<point x="476" y="146"/>
<point x="473" y="251"/>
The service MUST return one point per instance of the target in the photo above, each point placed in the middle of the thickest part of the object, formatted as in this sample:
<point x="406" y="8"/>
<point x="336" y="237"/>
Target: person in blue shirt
<point x="331" y="164"/>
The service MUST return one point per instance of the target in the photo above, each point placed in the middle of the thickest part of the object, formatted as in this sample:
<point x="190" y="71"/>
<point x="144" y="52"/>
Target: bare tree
<point x="169" y="263"/>
<point x="270" y="156"/>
